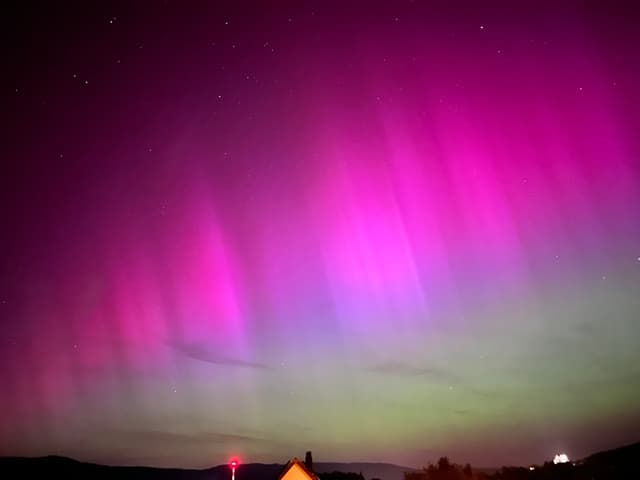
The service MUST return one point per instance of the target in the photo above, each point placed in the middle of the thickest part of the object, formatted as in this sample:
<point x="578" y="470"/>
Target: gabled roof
<point x="296" y="463"/>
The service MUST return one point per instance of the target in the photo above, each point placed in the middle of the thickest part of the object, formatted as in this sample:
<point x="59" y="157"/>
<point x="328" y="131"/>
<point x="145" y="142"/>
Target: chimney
<point x="308" y="461"/>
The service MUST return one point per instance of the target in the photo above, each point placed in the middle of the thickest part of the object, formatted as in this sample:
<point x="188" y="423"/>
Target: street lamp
<point x="233" y="464"/>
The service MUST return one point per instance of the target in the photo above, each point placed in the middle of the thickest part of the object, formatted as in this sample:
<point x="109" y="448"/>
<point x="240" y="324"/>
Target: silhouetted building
<point x="297" y="470"/>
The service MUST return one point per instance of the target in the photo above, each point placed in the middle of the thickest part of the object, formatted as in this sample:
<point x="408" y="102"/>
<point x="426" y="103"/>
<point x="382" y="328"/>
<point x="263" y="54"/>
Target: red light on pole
<point x="233" y="464"/>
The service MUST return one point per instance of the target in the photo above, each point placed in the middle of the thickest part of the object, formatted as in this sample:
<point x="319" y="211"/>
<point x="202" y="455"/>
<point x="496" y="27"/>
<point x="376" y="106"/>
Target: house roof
<point x="296" y="461"/>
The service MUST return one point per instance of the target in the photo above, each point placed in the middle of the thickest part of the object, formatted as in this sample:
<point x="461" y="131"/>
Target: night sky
<point x="378" y="231"/>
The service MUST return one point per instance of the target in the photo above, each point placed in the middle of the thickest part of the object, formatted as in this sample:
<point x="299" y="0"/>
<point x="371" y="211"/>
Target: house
<point x="298" y="470"/>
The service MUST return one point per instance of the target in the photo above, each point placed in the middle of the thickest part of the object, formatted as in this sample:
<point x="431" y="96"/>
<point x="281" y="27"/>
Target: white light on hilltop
<point x="561" y="458"/>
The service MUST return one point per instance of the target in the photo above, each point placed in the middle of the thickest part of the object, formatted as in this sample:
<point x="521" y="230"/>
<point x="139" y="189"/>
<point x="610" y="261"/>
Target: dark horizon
<point x="387" y="230"/>
<point x="326" y="465"/>
<point x="620" y="462"/>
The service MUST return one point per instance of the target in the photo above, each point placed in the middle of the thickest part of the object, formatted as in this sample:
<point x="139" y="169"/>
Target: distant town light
<point x="560" y="458"/>
<point x="532" y="468"/>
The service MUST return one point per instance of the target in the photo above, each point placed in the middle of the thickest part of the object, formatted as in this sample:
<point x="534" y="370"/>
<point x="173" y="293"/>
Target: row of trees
<point x="443" y="470"/>
<point x="624" y="466"/>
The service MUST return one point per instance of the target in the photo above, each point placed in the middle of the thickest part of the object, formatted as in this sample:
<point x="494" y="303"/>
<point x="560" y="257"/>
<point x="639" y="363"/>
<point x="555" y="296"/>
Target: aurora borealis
<point x="378" y="231"/>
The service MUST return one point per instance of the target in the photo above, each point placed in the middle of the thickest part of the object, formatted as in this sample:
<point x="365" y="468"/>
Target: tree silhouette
<point x="444" y="464"/>
<point x="444" y="469"/>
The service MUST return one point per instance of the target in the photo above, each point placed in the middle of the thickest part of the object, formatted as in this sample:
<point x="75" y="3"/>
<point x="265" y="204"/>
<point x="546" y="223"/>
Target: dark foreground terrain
<point x="618" y="464"/>
<point x="66" y="468"/>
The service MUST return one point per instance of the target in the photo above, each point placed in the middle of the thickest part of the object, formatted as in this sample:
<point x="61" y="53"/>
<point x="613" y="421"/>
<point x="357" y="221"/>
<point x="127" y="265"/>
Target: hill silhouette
<point x="616" y="463"/>
<point x="67" y="468"/>
<point x="623" y="462"/>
